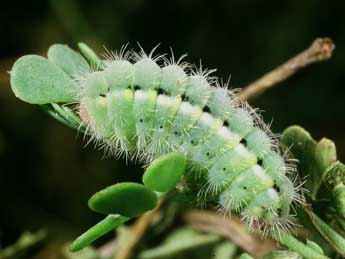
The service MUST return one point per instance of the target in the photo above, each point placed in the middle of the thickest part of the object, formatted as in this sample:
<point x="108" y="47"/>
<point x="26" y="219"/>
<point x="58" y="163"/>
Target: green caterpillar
<point x="173" y="117"/>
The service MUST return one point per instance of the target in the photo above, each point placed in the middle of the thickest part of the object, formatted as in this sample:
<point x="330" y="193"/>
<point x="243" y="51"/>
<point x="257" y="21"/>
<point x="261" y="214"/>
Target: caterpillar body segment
<point x="146" y="111"/>
<point x="119" y="74"/>
<point x="174" y="80"/>
<point x="186" y="117"/>
<point x="96" y="111"/>
<point x="121" y="117"/>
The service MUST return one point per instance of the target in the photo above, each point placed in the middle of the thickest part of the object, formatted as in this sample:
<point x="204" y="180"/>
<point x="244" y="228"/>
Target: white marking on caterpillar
<point x="142" y="110"/>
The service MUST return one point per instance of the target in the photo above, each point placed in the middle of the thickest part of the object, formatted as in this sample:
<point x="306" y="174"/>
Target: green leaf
<point x="330" y="235"/>
<point x="303" y="148"/>
<point x="86" y="253"/>
<point x="68" y="60"/>
<point x="179" y="241"/>
<point x="282" y="254"/>
<point x="98" y="230"/>
<point x="313" y="157"/>
<point x="335" y="175"/>
<point x="225" y="250"/>
<point x="246" y="256"/>
<point x="339" y="199"/>
<point x="90" y="55"/>
<point x="128" y="199"/>
<point x="34" y="79"/>
<point x="295" y="245"/>
<point x="325" y="153"/>
<point x="164" y="172"/>
<point x="65" y="115"/>
<point x="26" y="241"/>
<point x="315" y="246"/>
<point x="335" y="181"/>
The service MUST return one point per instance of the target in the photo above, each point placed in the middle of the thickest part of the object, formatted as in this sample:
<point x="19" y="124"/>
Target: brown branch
<point x="321" y="49"/>
<point x="137" y="232"/>
<point x="230" y="228"/>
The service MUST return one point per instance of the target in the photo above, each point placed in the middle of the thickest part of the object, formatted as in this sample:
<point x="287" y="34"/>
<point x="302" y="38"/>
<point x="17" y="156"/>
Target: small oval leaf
<point x="68" y="60"/>
<point x="164" y="172"/>
<point x="127" y="199"/>
<point x="90" y="55"/>
<point x="34" y="79"/>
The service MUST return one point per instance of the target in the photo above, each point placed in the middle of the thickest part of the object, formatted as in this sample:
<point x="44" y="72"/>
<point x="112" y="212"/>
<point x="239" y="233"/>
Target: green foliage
<point x="224" y="250"/>
<point x="179" y="241"/>
<point x="68" y="60"/>
<point x="36" y="80"/>
<point x="318" y="161"/>
<point x="47" y="81"/>
<point x="283" y="254"/>
<point x="335" y="181"/>
<point x="90" y="55"/>
<point x="163" y="173"/>
<point x="315" y="247"/>
<point x="334" y="239"/>
<point x="101" y="228"/>
<point x="128" y="199"/>
<point x="297" y="246"/>
<point x="246" y="256"/>
<point x="313" y="157"/>
<point x="65" y="115"/>
<point x="87" y="253"/>
<point x="26" y="241"/>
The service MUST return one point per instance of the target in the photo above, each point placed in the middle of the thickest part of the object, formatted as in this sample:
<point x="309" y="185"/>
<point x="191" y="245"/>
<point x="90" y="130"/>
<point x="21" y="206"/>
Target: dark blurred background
<point x="47" y="175"/>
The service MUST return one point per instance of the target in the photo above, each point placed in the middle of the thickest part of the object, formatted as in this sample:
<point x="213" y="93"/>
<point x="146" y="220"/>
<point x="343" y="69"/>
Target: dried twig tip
<point x="323" y="48"/>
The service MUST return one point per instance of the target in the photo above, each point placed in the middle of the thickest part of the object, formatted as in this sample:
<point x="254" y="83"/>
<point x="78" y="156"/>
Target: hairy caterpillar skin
<point x="144" y="107"/>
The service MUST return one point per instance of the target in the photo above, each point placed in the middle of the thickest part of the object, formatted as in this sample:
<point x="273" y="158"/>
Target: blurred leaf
<point x="72" y="18"/>
<point x="86" y="253"/>
<point x="284" y="254"/>
<point x="225" y="250"/>
<point x="179" y="241"/>
<point x="23" y="244"/>
<point x="315" y="246"/>
<point x="246" y="256"/>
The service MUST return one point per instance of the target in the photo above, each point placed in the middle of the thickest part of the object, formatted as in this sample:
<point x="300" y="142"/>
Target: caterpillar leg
<point x="164" y="172"/>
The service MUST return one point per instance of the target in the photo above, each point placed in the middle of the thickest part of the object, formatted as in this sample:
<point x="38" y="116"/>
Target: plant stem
<point x="297" y="246"/>
<point x="336" y="241"/>
<point x="321" y="49"/>
<point x="137" y="232"/>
